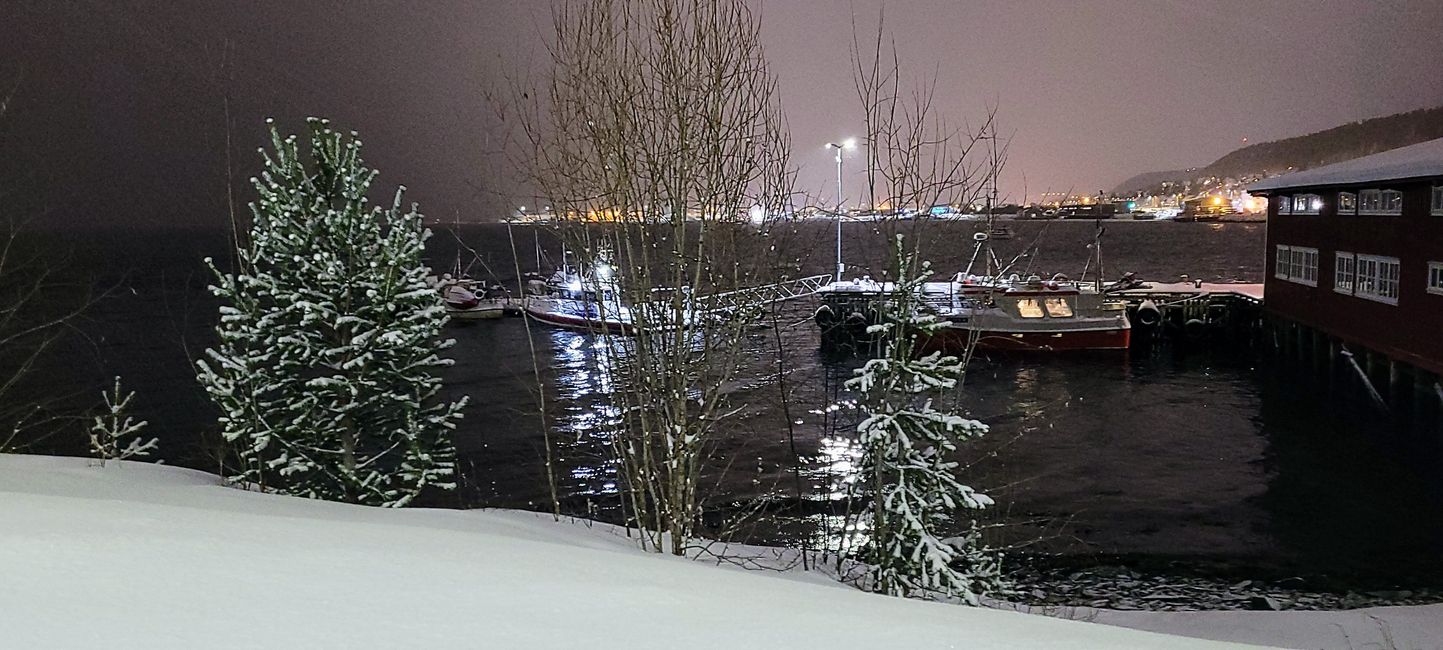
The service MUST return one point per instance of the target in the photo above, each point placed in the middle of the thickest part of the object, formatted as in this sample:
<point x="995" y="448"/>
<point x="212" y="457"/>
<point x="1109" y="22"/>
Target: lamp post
<point x="849" y="143"/>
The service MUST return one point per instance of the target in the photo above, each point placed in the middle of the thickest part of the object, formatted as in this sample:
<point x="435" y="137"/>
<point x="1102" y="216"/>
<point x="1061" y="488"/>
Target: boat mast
<point x="991" y="195"/>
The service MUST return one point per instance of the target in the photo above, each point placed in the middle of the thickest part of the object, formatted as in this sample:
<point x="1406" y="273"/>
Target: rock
<point x="1242" y="585"/>
<point x="1264" y="603"/>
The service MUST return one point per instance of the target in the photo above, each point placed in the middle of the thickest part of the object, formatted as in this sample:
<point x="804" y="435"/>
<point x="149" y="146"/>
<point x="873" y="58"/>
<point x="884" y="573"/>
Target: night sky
<point x="119" y="110"/>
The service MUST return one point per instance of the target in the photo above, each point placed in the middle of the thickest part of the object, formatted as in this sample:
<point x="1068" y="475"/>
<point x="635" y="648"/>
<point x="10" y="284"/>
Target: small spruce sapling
<point x="906" y="467"/>
<point x="330" y="335"/>
<point x="115" y="427"/>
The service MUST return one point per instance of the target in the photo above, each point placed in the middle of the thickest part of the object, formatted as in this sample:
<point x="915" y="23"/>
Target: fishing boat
<point x="467" y="299"/>
<point x="591" y="301"/>
<point x="1029" y="314"/>
<point x="577" y="301"/>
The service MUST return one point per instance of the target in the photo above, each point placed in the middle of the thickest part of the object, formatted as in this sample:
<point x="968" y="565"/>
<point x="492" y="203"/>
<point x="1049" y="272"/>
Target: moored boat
<point x="995" y="313"/>
<point x="467" y="299"/>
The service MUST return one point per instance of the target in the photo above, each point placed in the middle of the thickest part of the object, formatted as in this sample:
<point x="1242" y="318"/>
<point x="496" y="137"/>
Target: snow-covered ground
<point x="143" y="556"/>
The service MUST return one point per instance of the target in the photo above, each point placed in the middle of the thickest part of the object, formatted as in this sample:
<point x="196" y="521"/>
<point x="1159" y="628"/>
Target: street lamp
<point x="849" y="143"/>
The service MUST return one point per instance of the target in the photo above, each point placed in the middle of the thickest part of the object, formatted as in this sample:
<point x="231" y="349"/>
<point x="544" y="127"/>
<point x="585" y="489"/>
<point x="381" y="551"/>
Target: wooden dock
<point x="1226" y="313"/>
<point x="1252" y="291"/>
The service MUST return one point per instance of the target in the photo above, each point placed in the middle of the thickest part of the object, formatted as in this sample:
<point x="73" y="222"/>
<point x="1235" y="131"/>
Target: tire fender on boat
<point x="825" y="318"/>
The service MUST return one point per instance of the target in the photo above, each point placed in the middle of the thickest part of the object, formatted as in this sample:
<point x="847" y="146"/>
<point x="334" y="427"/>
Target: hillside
<point x="1337" y="144"/>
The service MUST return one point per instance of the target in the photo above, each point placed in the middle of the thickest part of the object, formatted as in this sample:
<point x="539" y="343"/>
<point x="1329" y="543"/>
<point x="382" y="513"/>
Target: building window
<point x="1297" y="264"/>
<point x="1392" y="202"/>
<point x="1370" y="201"/>
<point x="1435" y="277"/>
<point x="1438" y="200"/>
<point x="1347" y="203"/>
<point x="1380" y="202"/>
<point x="1344" y="268"/>
<point x="1307" y="203"/>
<point x="1305" y="266"/>
<point x="1285" y="205"/>
<point x="1377" y="278"/>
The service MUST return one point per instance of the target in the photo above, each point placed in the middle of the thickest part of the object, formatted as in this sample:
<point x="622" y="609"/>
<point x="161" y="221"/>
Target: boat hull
<point x="578" y="323"/>
<point x="955" y="339"/>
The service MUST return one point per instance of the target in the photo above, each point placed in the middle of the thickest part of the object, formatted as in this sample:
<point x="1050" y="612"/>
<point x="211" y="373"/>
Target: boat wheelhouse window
<point x="1344" y="269"/>
<point x="1285" y="205"/>
<point x="1284" y="262"/>
<point x="1435" y="277"/>
<point x="1377" y="278"/>
<point x="1437" y="206"/>
<point x="1058" y="307"/>
<point x="1347" y="203"/>
<point x="1307" y="203"/>
<point x="1029" y="308"/>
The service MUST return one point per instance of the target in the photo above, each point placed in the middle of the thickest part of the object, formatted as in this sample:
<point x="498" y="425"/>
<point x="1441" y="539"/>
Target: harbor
<point x="1228" y="448"/>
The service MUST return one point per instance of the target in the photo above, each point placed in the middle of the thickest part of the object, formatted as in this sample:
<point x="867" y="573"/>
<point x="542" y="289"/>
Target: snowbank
<point x="143" y="556"/>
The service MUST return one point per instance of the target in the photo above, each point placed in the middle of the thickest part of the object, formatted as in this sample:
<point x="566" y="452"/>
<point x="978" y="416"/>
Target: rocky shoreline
<point x="1123" y="588"/>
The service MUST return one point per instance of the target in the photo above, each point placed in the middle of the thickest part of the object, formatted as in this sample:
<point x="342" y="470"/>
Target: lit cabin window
<point x="1029" y="308"/>
<point x="1437" y="200"/>
<point x="1285" y="205"/>
<point x="1435" y="277"/>
<point x="1377" y="278"/>
<point x="1344" y="268"/>
<point x="1307" y="203"/>
<point x="1058" y="307"/>
<point x="1347" y="203"/>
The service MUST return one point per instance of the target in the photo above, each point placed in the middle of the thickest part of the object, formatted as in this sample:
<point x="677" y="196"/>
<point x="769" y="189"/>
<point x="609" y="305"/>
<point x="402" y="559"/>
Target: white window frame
<point x="1307" y="204"/>
<point x="1285" y="205"/>
<point x="1370" y="201"/>
<point x="1375" y="282"/>
<point x="1305" y="266"/>
<point x="1435" y="278"/>
<point x="1347" y="203"/>
<point x="1437" y="203"/>
<point x="1392" y="202"/>
<point x="1345" y="271"/>
<point x="1297" y="264"/>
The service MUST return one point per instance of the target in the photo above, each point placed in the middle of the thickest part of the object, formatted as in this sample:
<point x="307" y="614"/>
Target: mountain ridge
<point x="1336" y="144"/>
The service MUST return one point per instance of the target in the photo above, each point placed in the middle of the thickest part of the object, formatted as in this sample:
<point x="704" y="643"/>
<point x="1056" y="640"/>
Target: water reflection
<point x="1184" y="455"/>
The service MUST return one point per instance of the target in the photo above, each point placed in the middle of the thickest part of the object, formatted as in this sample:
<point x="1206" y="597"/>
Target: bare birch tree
<point x="654" y="133"/>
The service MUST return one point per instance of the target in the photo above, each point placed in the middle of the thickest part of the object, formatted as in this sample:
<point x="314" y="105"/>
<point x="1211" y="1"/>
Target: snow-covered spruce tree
<point x="111" y="429"/>
<point x="906" y="467"/>
<point x="329" y="336"/>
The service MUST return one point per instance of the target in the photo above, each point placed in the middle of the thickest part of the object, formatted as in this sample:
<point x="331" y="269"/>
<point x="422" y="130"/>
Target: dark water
<point x="1195" y="456"/>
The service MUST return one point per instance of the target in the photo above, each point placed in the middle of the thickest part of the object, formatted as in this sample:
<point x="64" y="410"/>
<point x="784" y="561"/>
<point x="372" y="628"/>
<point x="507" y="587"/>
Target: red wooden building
<point x="1355" y="252"/>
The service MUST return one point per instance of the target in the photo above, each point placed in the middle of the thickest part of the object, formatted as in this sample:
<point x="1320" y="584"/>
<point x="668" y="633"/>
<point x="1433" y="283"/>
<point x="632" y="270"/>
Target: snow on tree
<point x="115" y="426"/>
<point x="330" y="336"/>
<point x="906" y="465"/>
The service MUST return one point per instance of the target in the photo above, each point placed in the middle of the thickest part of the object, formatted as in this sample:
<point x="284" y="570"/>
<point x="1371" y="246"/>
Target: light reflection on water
<point x="1142" y="454"/>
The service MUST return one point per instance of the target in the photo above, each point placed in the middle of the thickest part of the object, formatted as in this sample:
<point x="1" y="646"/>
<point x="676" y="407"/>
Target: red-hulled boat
<point x="1026" y="315"/>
